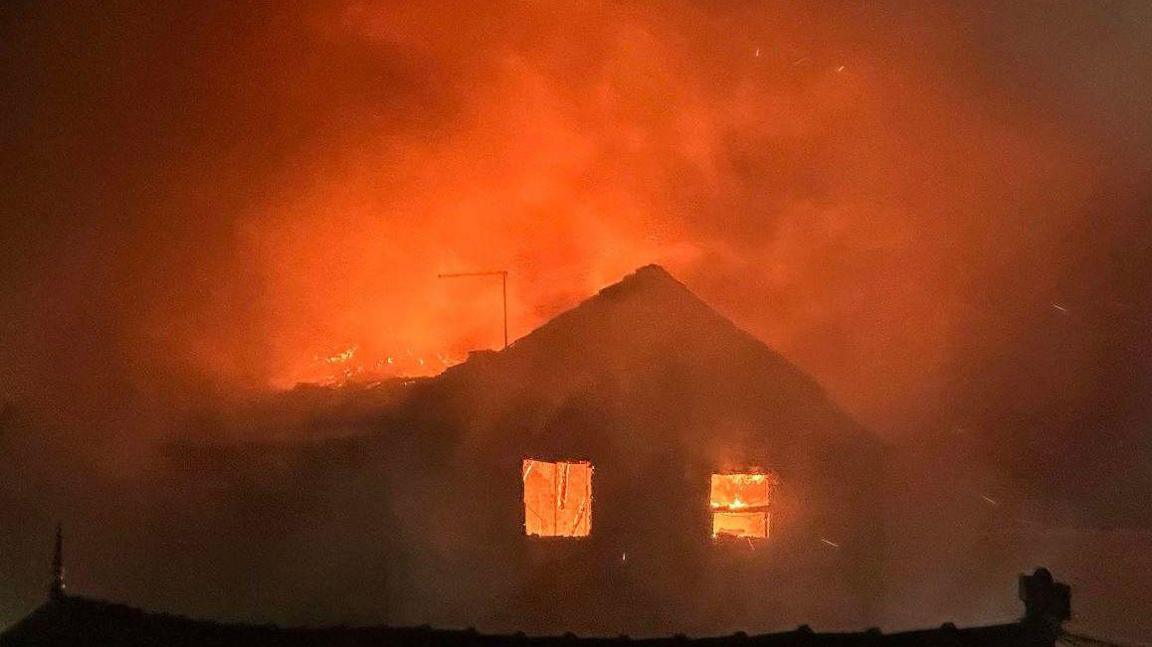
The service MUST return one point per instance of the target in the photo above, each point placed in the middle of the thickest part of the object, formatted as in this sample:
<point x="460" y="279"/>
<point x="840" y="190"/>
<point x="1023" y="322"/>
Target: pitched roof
<point x="645" y="343"/>
<point x="649" y="346"/>
<point x="646" y="313"/>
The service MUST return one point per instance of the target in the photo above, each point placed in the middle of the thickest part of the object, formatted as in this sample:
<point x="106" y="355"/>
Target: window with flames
<point x="557" y="498"/>
<point x="741" y="504"/>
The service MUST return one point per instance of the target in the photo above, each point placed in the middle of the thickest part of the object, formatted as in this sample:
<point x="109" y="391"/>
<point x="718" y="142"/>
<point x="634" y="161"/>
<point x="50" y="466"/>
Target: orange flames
<point x="782" y="156"/>
<point x="342" y="357"/>
<point x="557" y="498"/>
<point x="741" y="504"/>
<point x="353" y="366"/>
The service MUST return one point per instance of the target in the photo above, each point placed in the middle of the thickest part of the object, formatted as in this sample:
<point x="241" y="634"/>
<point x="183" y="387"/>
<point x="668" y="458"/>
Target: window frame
<point x="583" y="514"/>
<point x="771" y="481"/>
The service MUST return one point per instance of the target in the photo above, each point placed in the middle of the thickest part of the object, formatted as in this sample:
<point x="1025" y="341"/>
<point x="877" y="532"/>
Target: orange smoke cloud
<point x="861" y="187"/>
<point x="846" y="197"/>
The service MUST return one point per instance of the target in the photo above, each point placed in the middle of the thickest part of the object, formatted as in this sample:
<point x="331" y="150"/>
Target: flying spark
<point x="830" y="543"/>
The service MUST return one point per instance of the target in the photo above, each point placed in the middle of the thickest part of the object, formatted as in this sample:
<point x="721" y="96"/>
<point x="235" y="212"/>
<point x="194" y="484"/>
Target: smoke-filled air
<point x="903" y="276"/>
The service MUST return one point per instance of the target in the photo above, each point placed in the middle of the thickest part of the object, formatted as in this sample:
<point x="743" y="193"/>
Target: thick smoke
<point x="218" y="196"/>
<point x="940" y="212"/>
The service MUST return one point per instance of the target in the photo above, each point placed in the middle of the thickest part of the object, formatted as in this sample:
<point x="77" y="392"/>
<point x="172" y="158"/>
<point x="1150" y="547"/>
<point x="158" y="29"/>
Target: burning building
<point x="675" y="474"/>
<point x="636" y="465"/>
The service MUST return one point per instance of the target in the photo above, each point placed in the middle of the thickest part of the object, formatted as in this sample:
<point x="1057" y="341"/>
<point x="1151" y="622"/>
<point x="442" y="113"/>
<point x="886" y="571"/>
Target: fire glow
<point x="557" y="498"/>
<point x="353" y="365"/>
<point x="741" y="504"/>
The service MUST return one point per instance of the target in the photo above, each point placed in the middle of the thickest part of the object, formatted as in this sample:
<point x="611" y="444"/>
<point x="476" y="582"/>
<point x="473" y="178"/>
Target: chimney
<point x="1046" y="601"/>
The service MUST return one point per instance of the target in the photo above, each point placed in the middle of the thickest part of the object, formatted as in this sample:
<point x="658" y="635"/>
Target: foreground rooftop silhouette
<point x="67" y="620"/>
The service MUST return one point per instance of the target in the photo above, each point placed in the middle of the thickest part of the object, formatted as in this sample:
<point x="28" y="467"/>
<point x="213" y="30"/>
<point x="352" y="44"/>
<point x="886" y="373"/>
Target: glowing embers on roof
<point x="557" y="498"/>
<point x="741" y="504"/>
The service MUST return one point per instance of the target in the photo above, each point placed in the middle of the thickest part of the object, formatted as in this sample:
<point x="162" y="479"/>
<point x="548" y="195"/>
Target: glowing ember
<point x="557" y="498"/>
<point x="355" y="365"/>
<point x="341" y="358"/>
<point x="741" y="504"/>
<point x="752" y="525"/>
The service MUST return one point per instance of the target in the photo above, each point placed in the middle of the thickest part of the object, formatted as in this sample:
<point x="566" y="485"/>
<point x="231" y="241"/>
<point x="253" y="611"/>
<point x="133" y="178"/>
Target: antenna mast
<point x="56" y="589"/>
<point x="503" y="274"/>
